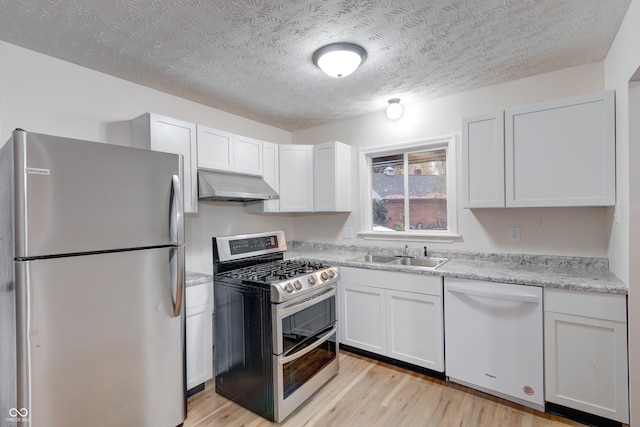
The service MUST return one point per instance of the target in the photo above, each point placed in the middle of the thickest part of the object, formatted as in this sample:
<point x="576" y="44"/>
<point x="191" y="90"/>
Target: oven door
<point x="305" y="348"/>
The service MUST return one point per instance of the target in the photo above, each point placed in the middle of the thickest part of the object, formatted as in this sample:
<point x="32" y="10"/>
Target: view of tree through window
<point x="409" y="191"/>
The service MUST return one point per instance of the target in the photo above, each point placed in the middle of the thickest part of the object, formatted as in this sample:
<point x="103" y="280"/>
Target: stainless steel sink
<point x="383" y="259"/>
<point x="430" y="263"/>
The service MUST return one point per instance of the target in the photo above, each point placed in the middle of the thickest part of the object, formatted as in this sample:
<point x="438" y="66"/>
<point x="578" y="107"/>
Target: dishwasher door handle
<point x="502" y="295"/>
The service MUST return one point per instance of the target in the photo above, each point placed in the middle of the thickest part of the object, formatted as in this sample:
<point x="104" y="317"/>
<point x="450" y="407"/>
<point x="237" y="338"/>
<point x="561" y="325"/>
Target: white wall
<point x="561" y="231"/>
<point x="44" y="95"/>
<point x="622" y="66"/>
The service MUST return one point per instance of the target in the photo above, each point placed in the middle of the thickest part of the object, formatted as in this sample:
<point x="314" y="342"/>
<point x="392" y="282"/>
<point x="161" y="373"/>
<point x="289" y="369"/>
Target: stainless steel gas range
<point x="276" y="324"/>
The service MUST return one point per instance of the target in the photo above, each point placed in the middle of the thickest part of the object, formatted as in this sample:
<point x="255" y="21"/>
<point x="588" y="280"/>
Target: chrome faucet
<point x="426" y="255"/>
<point x="406" y="250"/>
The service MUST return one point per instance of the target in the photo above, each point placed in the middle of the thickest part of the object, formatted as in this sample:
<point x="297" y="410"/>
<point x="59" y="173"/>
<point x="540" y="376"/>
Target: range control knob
<point x="324" y="275"/>
<point x="312" y="280"/>
<point x="288" y="287"/>
<point x="297" y="284"/>
<point x="331" y="273"/>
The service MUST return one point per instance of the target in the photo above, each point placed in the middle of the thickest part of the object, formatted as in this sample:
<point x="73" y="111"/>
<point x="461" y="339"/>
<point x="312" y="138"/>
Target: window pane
<point x="428" y="190"/>
<point x="387" y="193"/>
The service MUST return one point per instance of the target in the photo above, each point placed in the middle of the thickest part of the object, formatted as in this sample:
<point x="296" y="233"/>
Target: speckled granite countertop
<point x="194" y="278"/>
<point x="575" y="273"/>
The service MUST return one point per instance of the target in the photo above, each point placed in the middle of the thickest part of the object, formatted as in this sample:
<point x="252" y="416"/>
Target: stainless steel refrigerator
<point x="91" y="284"/>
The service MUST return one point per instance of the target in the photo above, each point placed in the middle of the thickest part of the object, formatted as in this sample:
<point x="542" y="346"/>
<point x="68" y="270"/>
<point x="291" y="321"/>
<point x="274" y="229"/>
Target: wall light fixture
<point x="394" y="109"/>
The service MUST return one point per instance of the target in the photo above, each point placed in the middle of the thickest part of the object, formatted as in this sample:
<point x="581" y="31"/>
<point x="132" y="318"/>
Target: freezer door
<point x="100" y="343"/>
<point x="76" y="196"/>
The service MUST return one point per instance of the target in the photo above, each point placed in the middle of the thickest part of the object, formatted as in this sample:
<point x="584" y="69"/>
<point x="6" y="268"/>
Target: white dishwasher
<point x="493" y="339"/>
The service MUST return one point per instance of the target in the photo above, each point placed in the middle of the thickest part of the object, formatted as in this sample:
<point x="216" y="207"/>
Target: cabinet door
<point x="271" y="175"/>
<point x="483" y="161"/>
<point x="363" y="318"/>
<point x="215" y="149"/>
<point x="159" y="133"/>
<point x="199" y="334"/>
<point x="586" y="352"/>
<point x="296" y="178"/>
<point x="332" y="177"/>
<point x="247" y="155"/>
<point x="561" y="153"/>
<point x="414" y="323"/>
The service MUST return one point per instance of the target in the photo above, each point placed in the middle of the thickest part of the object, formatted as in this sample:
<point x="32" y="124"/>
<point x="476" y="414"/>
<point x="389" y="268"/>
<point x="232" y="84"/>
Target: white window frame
<point x="366" y="217"/>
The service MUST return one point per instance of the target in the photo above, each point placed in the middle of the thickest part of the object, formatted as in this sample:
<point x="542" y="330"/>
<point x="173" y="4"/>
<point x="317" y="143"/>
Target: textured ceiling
<point x="253" y="57"/>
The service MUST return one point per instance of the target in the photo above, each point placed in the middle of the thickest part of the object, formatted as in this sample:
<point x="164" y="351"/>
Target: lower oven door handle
<point x="325" y="337"/>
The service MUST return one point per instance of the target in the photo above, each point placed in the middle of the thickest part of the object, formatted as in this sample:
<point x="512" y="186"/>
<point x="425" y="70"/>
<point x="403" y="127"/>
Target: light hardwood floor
<point x="371" y="393"/>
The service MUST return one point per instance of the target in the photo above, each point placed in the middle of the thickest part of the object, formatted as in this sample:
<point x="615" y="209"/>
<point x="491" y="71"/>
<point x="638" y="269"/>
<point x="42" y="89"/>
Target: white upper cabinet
<point x="247" y="155"/>
<point x="158" y="133"/>
<point x="215" y="149"/>
<point x="315" y="178"/>
<point x="332" y="177"/>
<point x="483" y="161"/>
<point x="224" y="151"/>
<point x="296" y="178"/>
<point x="559" y="153"/>
<point x="271" y="175"/>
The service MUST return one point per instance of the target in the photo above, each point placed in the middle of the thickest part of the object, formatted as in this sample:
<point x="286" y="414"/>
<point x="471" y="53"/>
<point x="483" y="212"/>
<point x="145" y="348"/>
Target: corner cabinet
<point x="394" y="314"/>
<point x="586" y="352"/>
<point x="315" y="178"/>
<point x="559" y="153"/>
<point x="199" y="334"/>
<point x="158" y="133"/>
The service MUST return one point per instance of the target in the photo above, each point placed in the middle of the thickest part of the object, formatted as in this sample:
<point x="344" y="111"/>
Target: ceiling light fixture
<point x="394" y="109"/>
<point x="339" y="59"/>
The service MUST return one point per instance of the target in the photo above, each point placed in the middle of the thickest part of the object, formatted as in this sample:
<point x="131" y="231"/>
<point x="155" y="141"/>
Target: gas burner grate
<point x="272" y="272"/>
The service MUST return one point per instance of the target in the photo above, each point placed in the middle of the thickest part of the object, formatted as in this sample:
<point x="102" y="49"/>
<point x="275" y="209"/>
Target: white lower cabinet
<point x="363" y="315"/>
<point x="394" y="314"/>
<point x="586" y="352"/>
<point x="199" y="335"/>
<point x="408" y="314"/>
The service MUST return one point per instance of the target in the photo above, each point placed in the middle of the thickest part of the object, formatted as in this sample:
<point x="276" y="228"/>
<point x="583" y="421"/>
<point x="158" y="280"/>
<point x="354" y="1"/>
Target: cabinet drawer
<point x="199" y="295"/>
<point x="393" y="280"/>
<point x="586" y="304"/>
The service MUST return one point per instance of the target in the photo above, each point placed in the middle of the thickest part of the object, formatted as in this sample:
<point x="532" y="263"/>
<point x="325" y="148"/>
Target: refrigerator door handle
<point x="177" y="257"/>
<point x="176" y="225"/>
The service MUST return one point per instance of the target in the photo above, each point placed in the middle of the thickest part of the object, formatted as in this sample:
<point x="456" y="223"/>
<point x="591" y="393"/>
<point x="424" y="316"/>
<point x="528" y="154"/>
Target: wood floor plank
<point x="374" y="394"/>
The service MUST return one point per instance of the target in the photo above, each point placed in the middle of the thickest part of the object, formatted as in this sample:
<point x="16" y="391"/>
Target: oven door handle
<point x="287" y="311"/>
<point x="283" y="360"/>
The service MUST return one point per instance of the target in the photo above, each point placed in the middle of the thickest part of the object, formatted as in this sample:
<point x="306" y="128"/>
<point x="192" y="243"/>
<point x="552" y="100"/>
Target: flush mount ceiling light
<point x="339" y="59"/>
<point x="394" y="109"/>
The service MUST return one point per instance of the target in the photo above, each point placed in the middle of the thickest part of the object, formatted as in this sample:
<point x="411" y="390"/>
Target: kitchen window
<point x="408" y="190"/>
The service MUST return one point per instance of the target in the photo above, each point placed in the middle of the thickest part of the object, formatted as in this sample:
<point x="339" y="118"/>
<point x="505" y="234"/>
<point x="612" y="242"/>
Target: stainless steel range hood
<point x="215" y="185"/>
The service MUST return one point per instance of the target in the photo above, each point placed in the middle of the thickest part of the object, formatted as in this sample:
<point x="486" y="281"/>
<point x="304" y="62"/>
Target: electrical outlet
<point x="347" y="233"/>
<point x="514" y="234"/>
